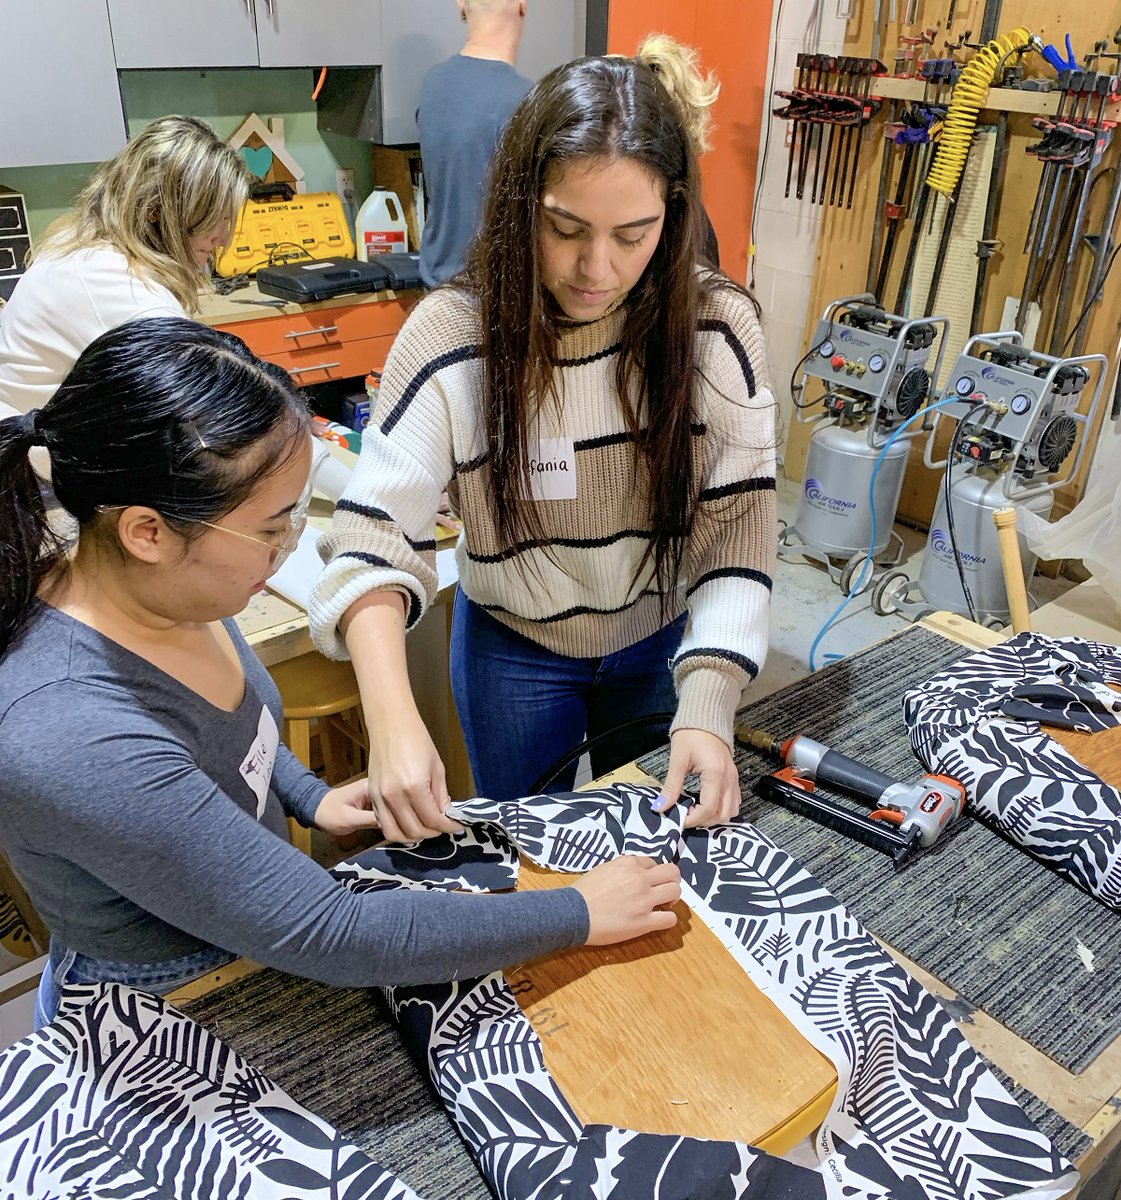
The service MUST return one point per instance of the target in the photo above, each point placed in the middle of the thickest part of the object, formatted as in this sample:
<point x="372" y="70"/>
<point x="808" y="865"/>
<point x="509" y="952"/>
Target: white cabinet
<point x="320" y="33"/>
<point x="417" y="34"/>
<point x="246" y="33"/>
<point x="62" y="101"/>
<point x="183" y="33"/>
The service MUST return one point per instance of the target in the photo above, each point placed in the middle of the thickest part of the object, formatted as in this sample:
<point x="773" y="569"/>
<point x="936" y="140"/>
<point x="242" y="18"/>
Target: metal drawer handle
<point x="299" y="333"/>
<point x="317" y="367"/>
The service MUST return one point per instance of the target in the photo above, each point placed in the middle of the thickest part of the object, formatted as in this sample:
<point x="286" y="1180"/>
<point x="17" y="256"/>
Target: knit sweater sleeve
<point x="731" y="551"/>
<point x="382" y="536"/>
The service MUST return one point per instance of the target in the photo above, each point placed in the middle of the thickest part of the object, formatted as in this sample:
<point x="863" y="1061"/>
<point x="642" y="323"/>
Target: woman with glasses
<point x="144" y="788"/>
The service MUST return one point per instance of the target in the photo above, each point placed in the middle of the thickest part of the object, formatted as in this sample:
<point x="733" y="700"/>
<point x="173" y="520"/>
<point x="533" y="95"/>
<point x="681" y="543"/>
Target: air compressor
<point x="874" y="369"/>
<point x="1019" y="414"/>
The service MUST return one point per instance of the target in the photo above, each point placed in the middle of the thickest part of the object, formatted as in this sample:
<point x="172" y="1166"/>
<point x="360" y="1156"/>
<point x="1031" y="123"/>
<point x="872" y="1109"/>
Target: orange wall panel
<point x="733" y="39"/>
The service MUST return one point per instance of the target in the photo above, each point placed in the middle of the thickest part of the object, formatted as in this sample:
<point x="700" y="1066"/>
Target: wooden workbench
<point x="1091" y="1101"/>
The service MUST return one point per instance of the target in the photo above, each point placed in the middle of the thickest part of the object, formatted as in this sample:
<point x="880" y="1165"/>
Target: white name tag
<point x="256" y="769"/>
<point x="552" y="469"/>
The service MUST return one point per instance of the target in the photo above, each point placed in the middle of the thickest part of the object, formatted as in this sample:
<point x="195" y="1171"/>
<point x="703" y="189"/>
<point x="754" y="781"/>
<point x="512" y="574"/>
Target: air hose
<point x="969" y="97"/>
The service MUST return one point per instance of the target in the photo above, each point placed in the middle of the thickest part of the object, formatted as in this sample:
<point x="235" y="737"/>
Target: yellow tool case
<point x="272" y="230"/>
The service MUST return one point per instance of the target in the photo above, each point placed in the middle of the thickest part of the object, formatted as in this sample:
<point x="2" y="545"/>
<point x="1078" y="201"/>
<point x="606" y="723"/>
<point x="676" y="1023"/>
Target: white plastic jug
<point x="380" y="227"/>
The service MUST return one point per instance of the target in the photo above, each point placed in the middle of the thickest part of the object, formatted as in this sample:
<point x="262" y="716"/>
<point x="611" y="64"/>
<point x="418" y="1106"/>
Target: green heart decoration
<point x="258" y="159"/>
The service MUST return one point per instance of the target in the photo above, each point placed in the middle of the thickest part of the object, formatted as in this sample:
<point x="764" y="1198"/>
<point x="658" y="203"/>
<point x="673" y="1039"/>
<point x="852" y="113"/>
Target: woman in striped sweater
<point x="599" y="407"/>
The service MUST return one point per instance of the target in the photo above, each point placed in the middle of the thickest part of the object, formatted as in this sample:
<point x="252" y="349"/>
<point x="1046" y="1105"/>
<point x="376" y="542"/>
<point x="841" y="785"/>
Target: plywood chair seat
<point x="313" y="686"/>
<point x="317" y="689"/>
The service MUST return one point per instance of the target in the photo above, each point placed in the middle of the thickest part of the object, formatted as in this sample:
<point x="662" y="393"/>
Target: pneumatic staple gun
<point x="905" y="816"/>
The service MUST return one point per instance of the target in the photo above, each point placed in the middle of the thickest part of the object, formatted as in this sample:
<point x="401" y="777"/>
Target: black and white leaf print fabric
<point x="123" y="1096"/>
<point x="979" y="721"/>
<point x="481" y="860"/>
<point x="918" y="1115"/>
<point x="580" y="830"/>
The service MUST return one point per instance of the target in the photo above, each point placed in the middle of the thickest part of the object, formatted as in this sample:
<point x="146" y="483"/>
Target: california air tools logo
<point x="817" y="497"/>
<point x="942" y="546"/>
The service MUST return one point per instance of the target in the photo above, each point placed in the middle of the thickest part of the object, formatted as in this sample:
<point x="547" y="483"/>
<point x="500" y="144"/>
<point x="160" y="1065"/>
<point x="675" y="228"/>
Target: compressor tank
<point x="833" y="512"/>
<point x="975" y="498"/>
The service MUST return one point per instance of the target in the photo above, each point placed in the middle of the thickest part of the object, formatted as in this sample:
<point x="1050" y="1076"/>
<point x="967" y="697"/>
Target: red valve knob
<point x="837" y="361"/>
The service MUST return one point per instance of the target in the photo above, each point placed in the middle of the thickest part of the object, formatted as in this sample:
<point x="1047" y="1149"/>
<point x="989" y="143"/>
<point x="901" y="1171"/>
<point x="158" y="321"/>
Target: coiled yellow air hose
<point x="970" y="94"/>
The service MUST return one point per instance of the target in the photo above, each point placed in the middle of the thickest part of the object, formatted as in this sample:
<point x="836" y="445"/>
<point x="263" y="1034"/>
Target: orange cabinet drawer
<point x="336" y="360"/>
<point x="323" y="328"/>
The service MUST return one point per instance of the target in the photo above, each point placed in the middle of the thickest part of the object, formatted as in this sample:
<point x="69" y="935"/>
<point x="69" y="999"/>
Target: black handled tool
<point x="921" y="811"/>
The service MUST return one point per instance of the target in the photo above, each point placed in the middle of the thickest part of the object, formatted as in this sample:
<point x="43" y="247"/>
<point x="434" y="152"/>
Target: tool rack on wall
<point x="872" y="244"/>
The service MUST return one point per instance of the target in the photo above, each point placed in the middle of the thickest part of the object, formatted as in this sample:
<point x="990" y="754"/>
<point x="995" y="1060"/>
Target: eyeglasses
<point x="282" y="549"/>
<point x="297" y="523"/>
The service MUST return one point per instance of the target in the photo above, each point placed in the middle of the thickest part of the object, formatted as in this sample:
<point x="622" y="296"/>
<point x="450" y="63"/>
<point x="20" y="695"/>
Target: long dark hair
<point x="161" y="412"/>
<point x="609" y="108"/>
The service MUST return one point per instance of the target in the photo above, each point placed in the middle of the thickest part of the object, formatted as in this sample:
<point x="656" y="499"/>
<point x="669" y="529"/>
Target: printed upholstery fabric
<point x="979" y="721"/>
<point x="123" y="1096"/>
<point x="917" y="1114"/>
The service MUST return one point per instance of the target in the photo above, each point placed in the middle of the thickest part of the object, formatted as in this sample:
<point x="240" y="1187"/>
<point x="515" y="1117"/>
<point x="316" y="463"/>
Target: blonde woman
<point x="678" y="68"/>
<point x="136" y="244"/>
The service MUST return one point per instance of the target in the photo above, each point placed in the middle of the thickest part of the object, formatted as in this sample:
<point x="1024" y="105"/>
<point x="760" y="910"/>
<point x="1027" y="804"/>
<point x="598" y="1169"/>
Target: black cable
<point x="282" y="259"/>
<point x="573" y="755"/>
<point x="795" y="391"/>
<point x="998" y="74"/>
<point x="767" y="94"/>
<point x="948" y="485"/>
<point x="232" y="283"/>
<point x="1091" y="301"/>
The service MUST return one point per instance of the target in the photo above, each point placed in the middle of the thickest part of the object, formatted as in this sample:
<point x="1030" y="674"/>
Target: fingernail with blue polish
<point x="660" y="803"/>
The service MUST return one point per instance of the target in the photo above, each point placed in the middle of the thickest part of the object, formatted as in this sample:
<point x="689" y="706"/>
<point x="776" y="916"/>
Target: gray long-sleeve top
<point x="136" y="814"/>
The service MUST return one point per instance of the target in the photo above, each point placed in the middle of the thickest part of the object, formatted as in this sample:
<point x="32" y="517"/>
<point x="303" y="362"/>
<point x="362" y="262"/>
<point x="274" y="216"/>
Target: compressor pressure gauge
<point x="876" y="363"/>
<point x="1020" y="404"/>
<point x="965" y="385"/>
<point x="826" y="349"/>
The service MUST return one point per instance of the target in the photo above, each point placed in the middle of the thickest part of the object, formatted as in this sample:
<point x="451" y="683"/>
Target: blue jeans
<point x="522" y="706"/>
<point x="68" y="966"/>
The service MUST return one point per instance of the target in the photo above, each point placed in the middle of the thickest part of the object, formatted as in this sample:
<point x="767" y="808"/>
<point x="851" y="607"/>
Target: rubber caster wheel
<point x="889" y="592"/>
<point x="850" y="572"/>
<point x="994" y="623"/>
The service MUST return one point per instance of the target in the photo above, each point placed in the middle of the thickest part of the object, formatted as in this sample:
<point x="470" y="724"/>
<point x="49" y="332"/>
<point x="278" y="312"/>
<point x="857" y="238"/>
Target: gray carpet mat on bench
<point x="977" y="912"/>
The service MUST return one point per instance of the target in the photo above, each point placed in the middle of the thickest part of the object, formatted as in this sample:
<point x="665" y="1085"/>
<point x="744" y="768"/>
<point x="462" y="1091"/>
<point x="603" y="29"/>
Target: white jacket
<point x="57" y="309"/>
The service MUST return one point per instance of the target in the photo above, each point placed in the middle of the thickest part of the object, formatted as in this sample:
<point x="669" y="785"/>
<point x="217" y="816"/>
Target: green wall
<point x="223" y="99"/>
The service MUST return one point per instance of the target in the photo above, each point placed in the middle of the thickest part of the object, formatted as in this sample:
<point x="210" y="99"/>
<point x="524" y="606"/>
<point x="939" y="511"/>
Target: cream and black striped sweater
<point x="579" y="597"/>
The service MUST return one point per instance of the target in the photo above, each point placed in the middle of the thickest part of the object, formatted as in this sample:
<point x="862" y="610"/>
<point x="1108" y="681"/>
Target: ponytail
<point x="29" y="548"/>
<point x="161" y="412"/>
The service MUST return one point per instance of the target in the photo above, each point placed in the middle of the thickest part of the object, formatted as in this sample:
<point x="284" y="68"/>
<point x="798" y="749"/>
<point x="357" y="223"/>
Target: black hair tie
<point x="28" y="425"/>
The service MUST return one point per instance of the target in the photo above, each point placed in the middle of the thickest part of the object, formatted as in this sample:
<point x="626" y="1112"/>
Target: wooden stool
<point x="314" y="688"/>
<point x="11" y="884"/>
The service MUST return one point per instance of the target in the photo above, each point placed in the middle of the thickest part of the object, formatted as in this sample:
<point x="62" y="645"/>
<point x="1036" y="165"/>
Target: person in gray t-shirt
<point x="464" y="104"/>
<point x="144" y="787"/>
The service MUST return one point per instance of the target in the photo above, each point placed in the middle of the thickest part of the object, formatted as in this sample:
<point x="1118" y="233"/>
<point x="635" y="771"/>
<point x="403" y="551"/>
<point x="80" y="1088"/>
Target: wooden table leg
<point x="297" y="737"/>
